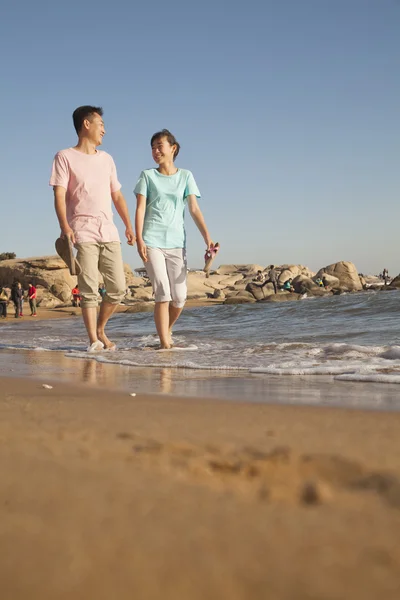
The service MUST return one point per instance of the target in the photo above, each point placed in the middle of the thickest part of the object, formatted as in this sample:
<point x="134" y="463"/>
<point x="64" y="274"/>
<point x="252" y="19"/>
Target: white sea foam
<point x="370" y="378"/>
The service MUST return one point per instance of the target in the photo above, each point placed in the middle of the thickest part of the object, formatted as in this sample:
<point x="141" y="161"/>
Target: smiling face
<point x="94" y="129"/>
<point x="163" y="152"/>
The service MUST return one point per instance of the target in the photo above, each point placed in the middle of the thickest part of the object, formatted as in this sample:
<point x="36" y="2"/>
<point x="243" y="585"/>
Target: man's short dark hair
<point x="170" y="137"/>
<point x="84" y="112"/>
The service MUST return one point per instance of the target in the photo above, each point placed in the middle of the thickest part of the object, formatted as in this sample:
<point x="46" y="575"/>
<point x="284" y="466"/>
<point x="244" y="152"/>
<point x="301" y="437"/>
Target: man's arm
<point x="61" y="211"/>
<point x="122" y="209"/>
<point x="198" y="218"/>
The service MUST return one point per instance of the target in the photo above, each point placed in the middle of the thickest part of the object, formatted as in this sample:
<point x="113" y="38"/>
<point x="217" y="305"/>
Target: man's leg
<point x="111" y="267"/>
<point x="88" y="257"/>
<point x="177" y="271"/>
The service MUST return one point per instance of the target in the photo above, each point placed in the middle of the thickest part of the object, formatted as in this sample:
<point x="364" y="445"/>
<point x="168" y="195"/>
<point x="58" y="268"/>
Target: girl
<point x="162" y="195"/>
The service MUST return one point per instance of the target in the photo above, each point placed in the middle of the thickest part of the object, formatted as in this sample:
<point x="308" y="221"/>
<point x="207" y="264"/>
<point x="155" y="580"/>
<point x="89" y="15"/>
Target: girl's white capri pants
<point x="166" y="268"/>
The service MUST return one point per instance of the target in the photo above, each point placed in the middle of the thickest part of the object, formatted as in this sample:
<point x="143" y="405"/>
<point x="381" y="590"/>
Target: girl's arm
<point x="139" y="220"/>
<point x="198" y="218"/>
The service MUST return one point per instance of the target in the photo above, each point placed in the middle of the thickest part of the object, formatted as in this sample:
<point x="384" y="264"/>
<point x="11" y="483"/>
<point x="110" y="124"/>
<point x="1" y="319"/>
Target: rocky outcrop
<point x="250" y="269"/>
<point x="259" y="292"/>
<point x="305" y="285"/>
<point x="292" y="271"/>
<point x="346" y="272"/>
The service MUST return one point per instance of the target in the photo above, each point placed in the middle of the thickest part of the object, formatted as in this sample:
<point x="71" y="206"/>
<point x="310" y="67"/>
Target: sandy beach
<point x="108" y="495"/>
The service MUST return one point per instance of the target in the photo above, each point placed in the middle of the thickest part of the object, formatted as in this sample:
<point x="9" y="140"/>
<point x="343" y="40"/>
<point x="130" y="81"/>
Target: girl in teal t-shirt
<point x="162" y="195"/>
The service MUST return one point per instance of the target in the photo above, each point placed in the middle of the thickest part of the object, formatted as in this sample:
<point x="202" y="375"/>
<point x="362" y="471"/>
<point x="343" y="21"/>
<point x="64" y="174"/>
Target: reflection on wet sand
<point x="317" y="390"/>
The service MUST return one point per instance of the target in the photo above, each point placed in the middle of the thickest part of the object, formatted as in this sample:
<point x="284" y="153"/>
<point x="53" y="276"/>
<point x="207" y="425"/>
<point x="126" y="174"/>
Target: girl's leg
<point x="177" y="269"/>
<point x="161" y="318"/>
<point x="157" y="271"/>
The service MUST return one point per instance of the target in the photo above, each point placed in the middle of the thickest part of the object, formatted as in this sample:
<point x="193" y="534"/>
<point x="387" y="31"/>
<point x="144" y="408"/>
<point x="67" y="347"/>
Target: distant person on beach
<point x="102" y="290"/>
<point x="17" y="294"/>
<point x="3" y="303"/>
<point x="273" y="276"/>
<point x="162" y="195"/>
<point x="259" y="277"/>
<point x="32" y="299"/>
<point x="85" y="181"/>
<point x="287" y="286"/>
<point x="76" y="296"/>
<point x="385" y="275"/>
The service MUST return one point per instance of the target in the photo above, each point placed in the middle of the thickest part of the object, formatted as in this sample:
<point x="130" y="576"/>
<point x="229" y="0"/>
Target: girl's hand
<point x="142" y="249"/>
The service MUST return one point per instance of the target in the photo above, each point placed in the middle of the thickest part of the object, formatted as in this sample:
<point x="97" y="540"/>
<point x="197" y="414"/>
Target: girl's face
<point x="162" y="151"/>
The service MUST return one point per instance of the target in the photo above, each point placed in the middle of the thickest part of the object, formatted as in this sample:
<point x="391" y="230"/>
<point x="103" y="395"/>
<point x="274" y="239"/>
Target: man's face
<point x="162" y="151"/>
<point x="94" y="127"/>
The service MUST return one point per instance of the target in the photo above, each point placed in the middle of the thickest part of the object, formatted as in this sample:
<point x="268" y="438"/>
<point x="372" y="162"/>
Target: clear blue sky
<point x="287" y="113"/>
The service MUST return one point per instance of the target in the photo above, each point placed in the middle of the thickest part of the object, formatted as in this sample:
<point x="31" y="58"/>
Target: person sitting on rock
<point x="319" y="282"/>
<point x="287" y="286"/>
<point x="272" y="278"/>
<point x="259" y="277"/>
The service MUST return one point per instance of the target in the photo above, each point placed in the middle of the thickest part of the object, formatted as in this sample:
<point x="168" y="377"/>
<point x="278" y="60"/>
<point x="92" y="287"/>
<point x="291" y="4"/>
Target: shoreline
<point x="160" y="496"/>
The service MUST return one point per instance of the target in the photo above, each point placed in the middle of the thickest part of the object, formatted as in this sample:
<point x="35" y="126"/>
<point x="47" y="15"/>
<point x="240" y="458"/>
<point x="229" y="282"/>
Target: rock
<point x="395" y="283"/>
<point x="140" y="307"/>
<point x="250" y="269"/>
<point x="196" y="285"/>
<point x="303" y="284"/>
<point x="239" y="300"/>
<point x="50" y="272"/>
<point x="46" y="299"/>
<point x="218" y="294"/>
<point x="347" y="274"/>
<point x="142" y="294"/>
<point x="330" y="280"/>
<point x="259" y="292"/>
<point x="62" y="291"/>
<point x="282" y="297"/>
<point x="292" y="271"/>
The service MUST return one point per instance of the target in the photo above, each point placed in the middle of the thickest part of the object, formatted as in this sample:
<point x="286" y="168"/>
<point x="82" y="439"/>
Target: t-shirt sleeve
<point x="191" y="187"/>
<point x="114" y="183"/>
<point x="60" y="171"/>
<point x="141" y="185"/>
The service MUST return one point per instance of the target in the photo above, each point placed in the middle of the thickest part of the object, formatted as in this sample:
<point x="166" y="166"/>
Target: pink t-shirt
<point x="89" y="180"/>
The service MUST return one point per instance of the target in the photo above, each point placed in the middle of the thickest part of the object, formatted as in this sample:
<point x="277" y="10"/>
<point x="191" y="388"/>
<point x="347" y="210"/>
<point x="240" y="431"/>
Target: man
<point x="85" y="181"/>
<point x="32" y="299"/>
<point x="273" y="276"/>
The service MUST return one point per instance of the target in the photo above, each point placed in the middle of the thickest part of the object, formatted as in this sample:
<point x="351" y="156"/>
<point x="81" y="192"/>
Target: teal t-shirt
<point x="165" y="206"/>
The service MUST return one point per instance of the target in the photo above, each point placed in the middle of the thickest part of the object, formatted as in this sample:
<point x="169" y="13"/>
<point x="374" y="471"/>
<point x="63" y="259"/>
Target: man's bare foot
<point x="108" y="345"/>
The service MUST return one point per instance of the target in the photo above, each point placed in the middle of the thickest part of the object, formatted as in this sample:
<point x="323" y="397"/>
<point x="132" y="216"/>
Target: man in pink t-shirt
<point x="85" y="182"/>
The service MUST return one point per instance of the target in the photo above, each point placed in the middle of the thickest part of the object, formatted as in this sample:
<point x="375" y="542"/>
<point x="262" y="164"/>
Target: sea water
<point x="352" y="337"/>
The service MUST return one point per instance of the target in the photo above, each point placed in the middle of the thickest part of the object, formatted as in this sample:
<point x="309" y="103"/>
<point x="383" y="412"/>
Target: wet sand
<point x="106" y="495"/>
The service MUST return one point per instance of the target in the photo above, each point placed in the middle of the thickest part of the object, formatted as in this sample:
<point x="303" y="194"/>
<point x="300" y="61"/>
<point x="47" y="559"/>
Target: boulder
<point x="243" y="269"/>
<point x="303" y="284"/>
<point x="282" y="297"/>
<point x="239" y="298"/>
<point x="50" y="272"/>
<point x="259" y="292"/>
<point x="45" y="299"/>
<point x="395" y="283"/>
<point x="143" y="294"/>
<point x="196" y="285"/>
<point x="330" y="281"/>
<point x="292" y="271"/>
<point x="346" y="272"/>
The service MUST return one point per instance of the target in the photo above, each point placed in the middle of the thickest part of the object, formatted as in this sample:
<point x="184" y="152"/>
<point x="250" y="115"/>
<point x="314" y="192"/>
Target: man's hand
<point x="142" y="249"/>
<point x="130" y="236"/>
<point x="67" y="232"/>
